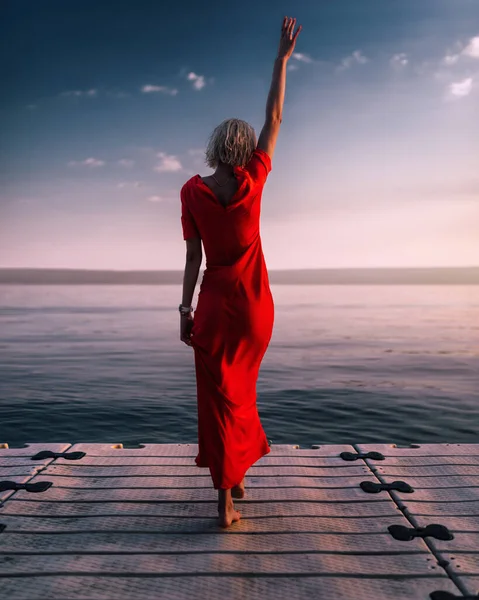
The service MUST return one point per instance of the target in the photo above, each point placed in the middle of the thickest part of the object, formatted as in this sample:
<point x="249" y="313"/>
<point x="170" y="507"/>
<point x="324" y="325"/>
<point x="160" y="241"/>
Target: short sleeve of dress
<point x="188" y="224"/>
<point x="259" y="166"/>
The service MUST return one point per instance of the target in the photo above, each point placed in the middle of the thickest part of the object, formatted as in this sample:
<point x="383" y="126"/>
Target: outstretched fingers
<point x="297" y="32"/>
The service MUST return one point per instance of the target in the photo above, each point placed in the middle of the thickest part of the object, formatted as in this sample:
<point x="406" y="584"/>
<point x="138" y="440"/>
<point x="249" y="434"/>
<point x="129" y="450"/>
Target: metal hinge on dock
<point x="353" y="456"/>
<point x="406" y="534"/>
<point x="39" y="486"/>
<point x="373" y="488"/>
<point x="67" y="455"/>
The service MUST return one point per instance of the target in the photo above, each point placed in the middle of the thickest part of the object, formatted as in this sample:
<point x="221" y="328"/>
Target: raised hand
<point x="288" y="40"/>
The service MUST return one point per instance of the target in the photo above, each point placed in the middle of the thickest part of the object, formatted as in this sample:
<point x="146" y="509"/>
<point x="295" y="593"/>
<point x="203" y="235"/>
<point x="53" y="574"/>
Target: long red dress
<point x="233" y="321"/>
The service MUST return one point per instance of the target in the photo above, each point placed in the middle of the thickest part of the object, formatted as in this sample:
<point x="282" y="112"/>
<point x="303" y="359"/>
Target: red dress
<point x="233" y="321"/>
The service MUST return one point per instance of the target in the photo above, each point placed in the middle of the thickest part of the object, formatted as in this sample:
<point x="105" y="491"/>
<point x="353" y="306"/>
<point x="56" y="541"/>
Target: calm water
<point x="345" y="364"/>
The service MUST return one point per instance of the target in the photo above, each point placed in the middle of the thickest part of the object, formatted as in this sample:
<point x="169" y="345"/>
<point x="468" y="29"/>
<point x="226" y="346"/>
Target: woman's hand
<point x="287" y="40"/>
<point x="186" y="324"/>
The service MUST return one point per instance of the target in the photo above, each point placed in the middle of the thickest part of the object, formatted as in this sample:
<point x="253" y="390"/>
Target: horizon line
<point x="201" y="269"/>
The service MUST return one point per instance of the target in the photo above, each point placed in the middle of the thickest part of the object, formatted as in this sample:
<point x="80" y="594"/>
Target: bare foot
<point x="238" y="491"/>
<point x="227" y="516"/>
<point x="226" y="509"/>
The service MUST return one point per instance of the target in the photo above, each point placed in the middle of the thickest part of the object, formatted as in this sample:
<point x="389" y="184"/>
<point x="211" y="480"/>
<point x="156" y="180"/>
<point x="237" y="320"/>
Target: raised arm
<point x="274" y="104"/>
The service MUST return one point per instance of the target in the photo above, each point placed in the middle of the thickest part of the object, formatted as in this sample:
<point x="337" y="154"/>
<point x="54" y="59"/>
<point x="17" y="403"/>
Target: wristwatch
<point x="184" y="310"/>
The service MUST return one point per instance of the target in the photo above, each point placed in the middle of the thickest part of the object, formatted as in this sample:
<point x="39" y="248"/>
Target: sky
<point x="107" y="108"/>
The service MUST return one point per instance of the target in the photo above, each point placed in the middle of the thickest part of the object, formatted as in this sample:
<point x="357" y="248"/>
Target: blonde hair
<point x="232" y="142"/>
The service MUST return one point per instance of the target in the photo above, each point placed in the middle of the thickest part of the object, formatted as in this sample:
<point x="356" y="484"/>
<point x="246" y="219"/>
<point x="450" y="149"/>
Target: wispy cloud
<point x="155" y="199"/>
<point x="88" y="162"/>
<point x="472" y="48"/>
<point x="198" y="80"/>
<point x="124" y="184"/>
<point x="198" y="155"/>
<point x="196" y="151"/>
<point x="302" y="57"/>
<point x="78" y="93"/>
<point x="461" y="88"/>
<point x="151" y="89"/>
<point x="469" y="50"/>
<point x="292" y="67"/>
<point x="117" y="94"/>
<point x="356" y="58"/>
<point x="168" y="163"/>
<point x="450" y="59"/>
<point x="399" y="60"/>
<point x="126" y="162"/>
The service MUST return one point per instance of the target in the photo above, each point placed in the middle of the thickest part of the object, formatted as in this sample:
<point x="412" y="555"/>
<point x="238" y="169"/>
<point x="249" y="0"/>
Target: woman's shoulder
<point x="258" y="167"/>
<point x="189" y="185"/>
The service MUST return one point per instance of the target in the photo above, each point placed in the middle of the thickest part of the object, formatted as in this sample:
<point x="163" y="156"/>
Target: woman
<point x="234" y="318"/>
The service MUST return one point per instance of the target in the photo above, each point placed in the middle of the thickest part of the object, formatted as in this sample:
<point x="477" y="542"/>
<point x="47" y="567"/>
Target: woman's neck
<point x="224" y="170"/>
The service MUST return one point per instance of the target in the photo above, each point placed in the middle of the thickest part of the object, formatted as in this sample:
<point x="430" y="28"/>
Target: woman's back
<point x="226" y="229"/>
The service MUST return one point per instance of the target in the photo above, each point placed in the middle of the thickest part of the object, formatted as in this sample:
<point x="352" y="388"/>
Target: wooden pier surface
<point x="333" y="522"/>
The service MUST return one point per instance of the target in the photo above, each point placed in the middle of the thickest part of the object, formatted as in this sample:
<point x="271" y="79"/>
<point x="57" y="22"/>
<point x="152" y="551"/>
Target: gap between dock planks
<point x="123" y="523"/>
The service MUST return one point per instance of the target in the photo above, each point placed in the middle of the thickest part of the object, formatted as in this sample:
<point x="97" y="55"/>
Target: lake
<point x="346" y="364"/>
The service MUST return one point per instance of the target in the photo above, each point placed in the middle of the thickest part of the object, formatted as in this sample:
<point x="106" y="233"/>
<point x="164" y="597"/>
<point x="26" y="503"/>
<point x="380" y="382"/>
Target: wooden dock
<point x="333" y="522"/>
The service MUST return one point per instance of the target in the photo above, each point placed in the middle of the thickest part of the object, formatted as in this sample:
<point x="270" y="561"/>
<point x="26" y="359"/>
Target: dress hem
<point x="202" y="464"/>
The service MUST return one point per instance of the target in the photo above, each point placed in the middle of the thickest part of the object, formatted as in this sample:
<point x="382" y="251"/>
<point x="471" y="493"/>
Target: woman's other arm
<point x="275" y="101"/>
<point x="194" y="256"/>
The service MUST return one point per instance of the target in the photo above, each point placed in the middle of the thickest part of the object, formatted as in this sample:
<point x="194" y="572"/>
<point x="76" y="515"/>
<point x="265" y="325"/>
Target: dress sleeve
<point x="259" y="166"/>
<point x="188" y="224"/>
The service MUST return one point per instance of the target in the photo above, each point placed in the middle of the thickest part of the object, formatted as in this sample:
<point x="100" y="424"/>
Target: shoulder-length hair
<point x="232" y="142"/>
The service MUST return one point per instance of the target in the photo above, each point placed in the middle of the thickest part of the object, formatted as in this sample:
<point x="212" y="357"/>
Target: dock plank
<point x="202" y="481"/>
<point x="472" y="584"/>
<point x="452" y="470"/>
<point x="352" y="495"/>
<point x="32" y="507"/>
<point x="191" y="450"/>
<point x="209" y="541"/>
<point x="75" y="587"/>
<point x="144" y="524"/>
<point x="464" y="564"/>
<point x="446" y="450"/>
<point x="331" y="462"/>
<point x="266" y="563"/>
<point x="191" y="470"/>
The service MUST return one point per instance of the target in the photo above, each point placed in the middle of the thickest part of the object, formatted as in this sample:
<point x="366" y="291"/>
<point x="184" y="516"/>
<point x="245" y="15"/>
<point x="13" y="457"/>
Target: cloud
<point x="292" y="67"/>
<point x="302" y="57"/>
<point x="356" y="58"/>
<point x="31" y="106"/>
<point x="126" y="162"/>
<point x="198" y="80"/>
<point x="472" y="48"/>
<point x="196" y="152"/>
<point x="123" y="184"/>
<point x="88" y="162"/>
<point x="398" y="61"/>
<point x="198" y="155"/>
<point x="462" y="88"/>
<point x="77" y="93"/>
<point x="451" y="59"/>
<point x="155" y="199"/>
<point x="168" y="163"/>
<point x="117" y="94"/>
<point x="149" y="89"/>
